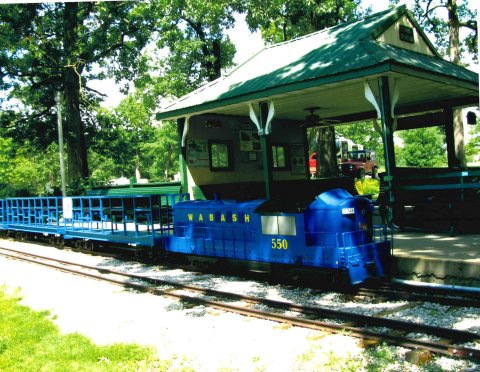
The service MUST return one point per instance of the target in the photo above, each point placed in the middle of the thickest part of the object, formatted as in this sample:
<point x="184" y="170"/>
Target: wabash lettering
<point x="222" y="217"/>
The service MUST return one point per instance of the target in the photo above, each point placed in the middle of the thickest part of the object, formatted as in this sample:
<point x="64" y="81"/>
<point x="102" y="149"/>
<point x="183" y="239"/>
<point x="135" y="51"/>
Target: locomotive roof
<point x="329" y="68"/>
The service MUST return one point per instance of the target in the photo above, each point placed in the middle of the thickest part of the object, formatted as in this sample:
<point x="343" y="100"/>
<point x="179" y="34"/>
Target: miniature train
<point x="334" y="232"/>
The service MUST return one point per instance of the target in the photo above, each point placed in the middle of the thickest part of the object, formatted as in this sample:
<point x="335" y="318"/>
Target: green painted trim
<point x="397" y="13"/>
<point x="268" y="93"/>
<point x="439" y="78"/>
<point x="443" y="186"/>
<point x="390" y="66"/>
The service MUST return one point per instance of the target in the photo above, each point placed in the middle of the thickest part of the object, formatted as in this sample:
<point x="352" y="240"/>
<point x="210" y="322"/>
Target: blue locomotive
<point x="333" y="232"/>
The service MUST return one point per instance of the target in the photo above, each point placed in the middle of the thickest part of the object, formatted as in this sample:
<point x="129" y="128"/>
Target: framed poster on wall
<point x="197" y="153"/>
<point x="249" y="140"/>
<point x="297" y="159"/>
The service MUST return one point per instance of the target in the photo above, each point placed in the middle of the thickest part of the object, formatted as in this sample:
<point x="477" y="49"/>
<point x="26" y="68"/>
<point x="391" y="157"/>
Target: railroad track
<point x="309" y="317"/>
<point x="387" y="291"/>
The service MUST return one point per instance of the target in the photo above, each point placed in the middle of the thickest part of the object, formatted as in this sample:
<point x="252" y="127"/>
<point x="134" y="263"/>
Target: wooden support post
<point x="387" y="134"/>
<point x="387" y="122"/>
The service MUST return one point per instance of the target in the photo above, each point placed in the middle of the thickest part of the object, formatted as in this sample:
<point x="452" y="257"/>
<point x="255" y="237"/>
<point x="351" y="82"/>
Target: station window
<point x="279" y="155"/>
<point x="221" y="156"/>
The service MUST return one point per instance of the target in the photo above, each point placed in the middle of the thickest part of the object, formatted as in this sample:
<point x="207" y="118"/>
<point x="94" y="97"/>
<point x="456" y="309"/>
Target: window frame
<point x="230" y="157"/>
<point x="286" y="156"/>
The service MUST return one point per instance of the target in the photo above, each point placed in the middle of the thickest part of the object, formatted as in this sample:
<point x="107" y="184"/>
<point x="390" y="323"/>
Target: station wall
<point x="225" y="149"/>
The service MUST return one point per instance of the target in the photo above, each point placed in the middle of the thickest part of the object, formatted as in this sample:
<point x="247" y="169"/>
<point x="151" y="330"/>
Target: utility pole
<point x="58" y="100"/>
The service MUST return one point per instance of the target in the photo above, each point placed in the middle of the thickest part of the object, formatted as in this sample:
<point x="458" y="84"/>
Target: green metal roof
<point x="338" y="54"/>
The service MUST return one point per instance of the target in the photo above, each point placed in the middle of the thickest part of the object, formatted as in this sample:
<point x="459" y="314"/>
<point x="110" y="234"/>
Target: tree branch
<point x="469" y="24"/>
<point x="95" y="91"/>
<point x="428" y="11"/>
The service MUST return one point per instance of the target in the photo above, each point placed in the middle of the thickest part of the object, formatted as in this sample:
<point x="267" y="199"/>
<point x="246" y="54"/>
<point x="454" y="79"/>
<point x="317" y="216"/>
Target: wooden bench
<point x="434" y="199"/>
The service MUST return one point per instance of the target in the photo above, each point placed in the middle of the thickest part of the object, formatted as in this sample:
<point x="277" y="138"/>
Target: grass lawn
<point x="30" y="341"/>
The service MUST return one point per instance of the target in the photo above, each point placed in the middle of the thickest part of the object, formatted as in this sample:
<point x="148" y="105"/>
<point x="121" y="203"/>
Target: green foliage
<point x="472" y="148"/>
<point x="29" y="341"/>
<point x="6" y="158"/>
<point x="49" y="47"/>
<point x="127" y="142"/>
<point x="190" y="49"/>
<point x="369" y="186"/>
<point x="26" y="170"/>
<point x="57" y="46"/>
<point x="281" y="20"/>
<point x="159" y="157"/>
<point x="104" y="168"/>
<point x="435" y="18"/>
<point x="381" y="357"/>
<point x="423" y="147"/>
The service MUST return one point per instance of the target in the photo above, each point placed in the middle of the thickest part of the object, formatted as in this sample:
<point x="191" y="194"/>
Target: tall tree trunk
<point x="326" y="152"/>
<point x="454" y="51"/>
<point x="74" y="132"/>
<point x="453" y="31"/>
<point x="75" y="137"/>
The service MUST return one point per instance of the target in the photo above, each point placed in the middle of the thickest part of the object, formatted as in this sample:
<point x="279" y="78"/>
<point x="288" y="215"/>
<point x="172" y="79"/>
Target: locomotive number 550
<point x="279" y="243"/>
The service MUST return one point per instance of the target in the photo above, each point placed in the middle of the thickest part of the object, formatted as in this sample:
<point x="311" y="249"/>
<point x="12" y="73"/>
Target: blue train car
<point x="334" y="232"/>
<point x="139" y="220"/>
<point x="35" y="215"/>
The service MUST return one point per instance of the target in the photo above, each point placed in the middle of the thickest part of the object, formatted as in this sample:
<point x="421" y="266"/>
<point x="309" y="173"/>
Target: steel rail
<point x="415" y="294"/>
<point x="431" y="290"/>
<point x="447" y="349"/>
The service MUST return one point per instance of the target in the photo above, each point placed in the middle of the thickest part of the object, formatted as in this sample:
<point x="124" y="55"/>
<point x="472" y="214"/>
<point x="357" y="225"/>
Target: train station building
<point x="243" y="136"/>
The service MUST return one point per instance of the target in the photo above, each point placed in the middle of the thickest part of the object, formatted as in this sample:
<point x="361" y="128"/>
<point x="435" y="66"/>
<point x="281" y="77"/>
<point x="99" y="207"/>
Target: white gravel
<point x="202" y="338"/>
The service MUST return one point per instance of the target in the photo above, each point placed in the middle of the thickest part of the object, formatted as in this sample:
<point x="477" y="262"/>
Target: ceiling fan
<point x="313" y="120"/>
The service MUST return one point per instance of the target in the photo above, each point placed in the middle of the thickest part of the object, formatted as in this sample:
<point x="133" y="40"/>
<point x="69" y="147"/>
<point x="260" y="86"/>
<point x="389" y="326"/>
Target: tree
<point x="127" y="143"/>
<point x="191" y="47"/>
<point x="446" y="28"/>
<point x="27" y="171"/>
<point x="280" y="20"/>
<point x="6" y="159"/>
<point x="423" y="147"/>
<point x="160" y="156"/>
<point x="284" y="20"/>
<point x="445" y="19"/>
<point x="58" y="47"/>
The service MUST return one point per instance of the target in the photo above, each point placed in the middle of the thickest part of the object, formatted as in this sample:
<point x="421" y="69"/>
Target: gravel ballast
<point x="202" y="338"/>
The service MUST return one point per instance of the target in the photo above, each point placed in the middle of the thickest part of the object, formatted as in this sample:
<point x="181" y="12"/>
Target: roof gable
<point x="406" y="34"/>
<point x="348" y="49"/>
